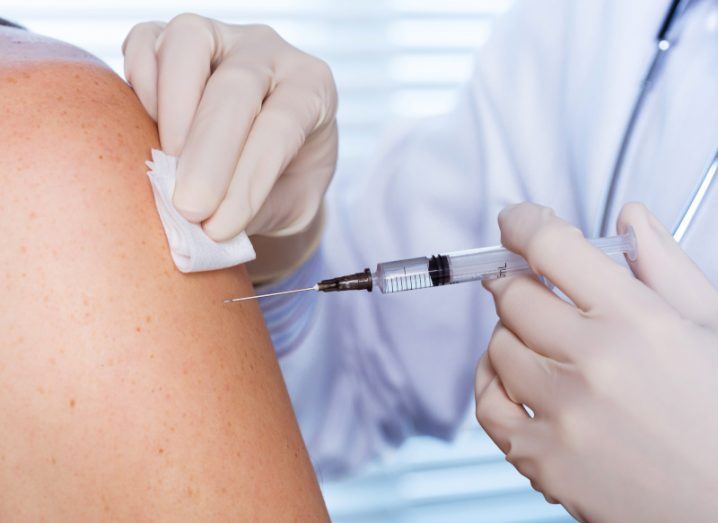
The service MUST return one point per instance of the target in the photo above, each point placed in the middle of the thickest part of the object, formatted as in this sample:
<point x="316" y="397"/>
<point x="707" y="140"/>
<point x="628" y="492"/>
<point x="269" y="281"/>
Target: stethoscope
<point x="664" y="42"/>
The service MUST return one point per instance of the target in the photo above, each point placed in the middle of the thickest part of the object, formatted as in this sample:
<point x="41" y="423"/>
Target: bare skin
<point x="128" y="392"/>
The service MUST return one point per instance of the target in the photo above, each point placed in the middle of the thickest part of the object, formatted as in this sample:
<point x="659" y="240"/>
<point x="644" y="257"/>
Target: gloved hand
<point x="623" y="385"/>
<point x="251" y="118"/>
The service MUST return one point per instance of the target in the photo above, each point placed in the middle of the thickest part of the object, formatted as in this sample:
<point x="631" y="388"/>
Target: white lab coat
<point x="542" y="120"/>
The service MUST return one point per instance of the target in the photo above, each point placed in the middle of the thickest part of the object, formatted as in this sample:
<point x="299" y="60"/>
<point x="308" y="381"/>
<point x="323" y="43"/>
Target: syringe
<point x="445" y="269"/>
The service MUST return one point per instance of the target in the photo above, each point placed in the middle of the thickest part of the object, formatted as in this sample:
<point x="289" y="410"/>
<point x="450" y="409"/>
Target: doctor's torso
<point x="676" y="132"/>
<point x="541" y="119"/>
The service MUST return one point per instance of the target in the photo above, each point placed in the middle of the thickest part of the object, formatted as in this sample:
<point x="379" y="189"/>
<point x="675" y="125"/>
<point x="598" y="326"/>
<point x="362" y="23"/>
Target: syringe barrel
<point x="474" y="264"/>
<point x="485" y="264"/>
<point x="444" y="269"/>
<point x="403" y="275"/>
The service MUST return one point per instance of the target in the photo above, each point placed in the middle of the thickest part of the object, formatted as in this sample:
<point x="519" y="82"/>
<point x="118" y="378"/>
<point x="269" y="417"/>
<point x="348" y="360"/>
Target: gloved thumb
<point x="664" y="267"/>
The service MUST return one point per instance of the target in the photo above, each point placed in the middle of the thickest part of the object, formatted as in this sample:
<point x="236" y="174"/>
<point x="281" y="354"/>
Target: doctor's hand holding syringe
<point x="620" y="379"/>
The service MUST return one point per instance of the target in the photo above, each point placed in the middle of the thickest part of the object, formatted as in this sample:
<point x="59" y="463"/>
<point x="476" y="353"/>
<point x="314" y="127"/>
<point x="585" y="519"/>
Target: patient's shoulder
<point x="58" y="103"/>
<point x="130" y="392"/>
<point x="75" y="199"/>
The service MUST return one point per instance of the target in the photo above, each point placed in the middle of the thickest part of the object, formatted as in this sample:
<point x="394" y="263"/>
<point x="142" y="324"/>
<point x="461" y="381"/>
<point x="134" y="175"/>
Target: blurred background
<point x="392" y="60"/>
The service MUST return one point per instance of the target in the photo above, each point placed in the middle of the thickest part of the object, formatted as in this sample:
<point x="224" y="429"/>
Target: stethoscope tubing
<point x="664" y="43"/>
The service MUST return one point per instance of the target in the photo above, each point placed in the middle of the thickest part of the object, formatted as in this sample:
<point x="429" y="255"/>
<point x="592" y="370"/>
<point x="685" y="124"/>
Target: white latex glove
<point x="623" y="385"/>
<point x="251" y="118"/>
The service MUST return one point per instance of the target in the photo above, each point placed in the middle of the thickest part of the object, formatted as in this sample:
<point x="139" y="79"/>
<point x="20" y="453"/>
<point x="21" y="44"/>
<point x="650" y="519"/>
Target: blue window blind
<point x="392" y="59"/>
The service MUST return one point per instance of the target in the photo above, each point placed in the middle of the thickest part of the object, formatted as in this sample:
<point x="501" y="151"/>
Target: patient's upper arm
<point x="127" y="390"/>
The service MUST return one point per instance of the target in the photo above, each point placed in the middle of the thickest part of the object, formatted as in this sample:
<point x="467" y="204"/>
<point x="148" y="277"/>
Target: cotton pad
<point x="192" y="250"/>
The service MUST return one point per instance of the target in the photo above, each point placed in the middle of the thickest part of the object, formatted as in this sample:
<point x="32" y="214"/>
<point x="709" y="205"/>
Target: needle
<point x="232" y="300"/>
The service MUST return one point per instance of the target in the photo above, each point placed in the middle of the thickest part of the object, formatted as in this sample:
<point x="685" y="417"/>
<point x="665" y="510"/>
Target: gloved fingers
<point x="279" y="131"/>
<point x="484" y="373"/>
<point x="499" y="416"/>
<point x="527" y="377"/>
<point x="551" y="500"/>
<point x="558" y="250"/>
<point x="542" y="320"/>
<point x="530" y="447"/>
<point x="664" y="267"/>
<point x="289" y="208"/>
<point x="230" y="102"/>
<point x="285" y="212"/>
<point x="496" y="413"/>
<point x="293" y="203"/>
<point x="186" y="50"/>
<point x="141" y="63"/>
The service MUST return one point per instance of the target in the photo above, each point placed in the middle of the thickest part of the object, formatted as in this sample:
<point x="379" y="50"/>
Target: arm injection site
<point x="128" y="391"/>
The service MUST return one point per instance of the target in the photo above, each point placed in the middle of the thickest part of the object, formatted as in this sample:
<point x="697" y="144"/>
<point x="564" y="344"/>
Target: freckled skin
<point x="128" y="392"/>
